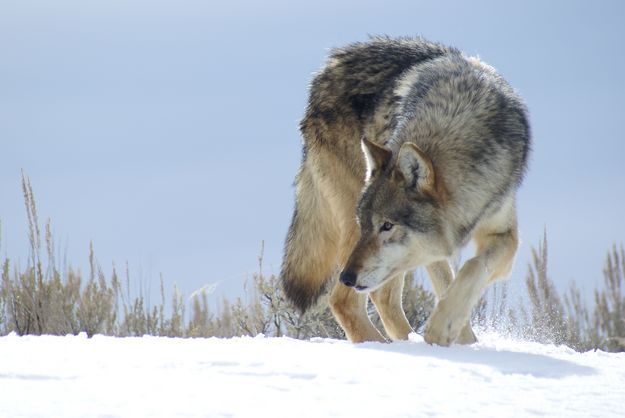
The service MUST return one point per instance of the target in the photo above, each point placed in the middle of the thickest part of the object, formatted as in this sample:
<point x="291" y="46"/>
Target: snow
<point x="76" y="376"/>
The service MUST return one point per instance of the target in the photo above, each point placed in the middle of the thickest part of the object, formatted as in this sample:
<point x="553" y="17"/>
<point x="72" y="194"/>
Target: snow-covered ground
<point x="280" y="377"/>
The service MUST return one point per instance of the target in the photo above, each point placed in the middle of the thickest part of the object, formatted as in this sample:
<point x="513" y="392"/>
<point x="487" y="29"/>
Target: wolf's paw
<point x="444" y="326"/>
<point x="467" y="336"/>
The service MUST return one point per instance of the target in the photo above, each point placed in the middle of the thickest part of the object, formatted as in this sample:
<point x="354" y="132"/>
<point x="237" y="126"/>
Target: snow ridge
<point x="74" y="376"/>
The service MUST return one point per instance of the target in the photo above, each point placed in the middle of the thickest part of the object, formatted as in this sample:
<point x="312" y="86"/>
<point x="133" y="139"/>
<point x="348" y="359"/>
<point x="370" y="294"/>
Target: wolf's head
<point x="399" y="215"/>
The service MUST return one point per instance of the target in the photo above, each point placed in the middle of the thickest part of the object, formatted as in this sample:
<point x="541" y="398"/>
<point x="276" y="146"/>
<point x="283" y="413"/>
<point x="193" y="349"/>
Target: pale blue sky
<point x="166" y="131"/>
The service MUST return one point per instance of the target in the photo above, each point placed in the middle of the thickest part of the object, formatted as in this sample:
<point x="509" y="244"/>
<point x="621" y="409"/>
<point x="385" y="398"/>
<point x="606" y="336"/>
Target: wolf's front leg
<point x="350" y="310"/>
<point x="495" y="254"/>
<point x="387" y="301"/>
<point x="441" y="276"/>
<point x="452" y="312"/>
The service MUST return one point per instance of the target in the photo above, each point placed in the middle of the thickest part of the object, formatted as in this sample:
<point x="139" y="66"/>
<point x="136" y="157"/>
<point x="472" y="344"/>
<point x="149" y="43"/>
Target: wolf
<point x="410" y="150"/>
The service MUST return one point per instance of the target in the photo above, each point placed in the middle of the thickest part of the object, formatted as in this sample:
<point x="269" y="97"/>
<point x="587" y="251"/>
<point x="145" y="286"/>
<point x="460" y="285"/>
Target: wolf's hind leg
<point x="350" y="310"/>
<point x="442" y="275"/>
<point x="387" y="300"/>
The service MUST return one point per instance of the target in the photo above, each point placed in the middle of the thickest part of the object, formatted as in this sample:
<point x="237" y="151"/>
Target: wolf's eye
<point x="386" y="226"/>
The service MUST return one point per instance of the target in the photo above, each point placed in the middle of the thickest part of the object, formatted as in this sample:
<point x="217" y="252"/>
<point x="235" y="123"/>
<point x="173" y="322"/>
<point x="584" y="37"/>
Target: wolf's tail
<point x="311" y="248"/>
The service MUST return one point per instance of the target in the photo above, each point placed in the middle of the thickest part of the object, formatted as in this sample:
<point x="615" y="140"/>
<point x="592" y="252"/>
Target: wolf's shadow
<point x="504" y="360"/>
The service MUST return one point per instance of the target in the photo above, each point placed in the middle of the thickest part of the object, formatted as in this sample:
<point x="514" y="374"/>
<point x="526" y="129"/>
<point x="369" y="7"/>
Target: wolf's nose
<point x="348" y="278"/>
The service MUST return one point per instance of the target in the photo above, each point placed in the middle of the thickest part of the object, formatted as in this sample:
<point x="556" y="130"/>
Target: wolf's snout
<point x="348" y="278"/>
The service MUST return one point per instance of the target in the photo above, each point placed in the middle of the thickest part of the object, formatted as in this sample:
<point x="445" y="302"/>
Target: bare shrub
<point x="547" y="322"/>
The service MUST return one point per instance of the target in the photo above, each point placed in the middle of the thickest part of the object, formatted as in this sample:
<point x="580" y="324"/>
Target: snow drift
<point x="75" y="376"/>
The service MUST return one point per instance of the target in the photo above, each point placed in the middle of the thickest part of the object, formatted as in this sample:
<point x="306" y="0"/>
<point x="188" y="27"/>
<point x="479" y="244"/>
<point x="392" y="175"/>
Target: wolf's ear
<point x="416" y="167"/>
<point x="376" y="157"/>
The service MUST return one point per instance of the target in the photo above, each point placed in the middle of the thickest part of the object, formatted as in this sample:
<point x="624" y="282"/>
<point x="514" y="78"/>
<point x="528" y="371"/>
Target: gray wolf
<point x="410" y="150"/>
